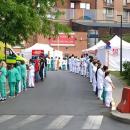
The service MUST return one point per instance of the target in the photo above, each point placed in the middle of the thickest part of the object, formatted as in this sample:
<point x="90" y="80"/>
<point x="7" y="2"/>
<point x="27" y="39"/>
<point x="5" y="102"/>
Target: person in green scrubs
<point x="3" y="73"/>
<point x="18" y="78"/>
<point x="24" y="75"/>
<point x="52" y="64"/>
<point x="11" y="75"/>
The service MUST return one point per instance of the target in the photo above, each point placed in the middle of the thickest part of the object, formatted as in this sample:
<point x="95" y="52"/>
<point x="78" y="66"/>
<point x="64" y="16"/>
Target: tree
<point x="19" y="19"/>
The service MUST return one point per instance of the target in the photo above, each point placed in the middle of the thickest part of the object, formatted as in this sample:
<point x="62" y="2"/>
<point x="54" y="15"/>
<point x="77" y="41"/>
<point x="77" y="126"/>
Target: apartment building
<point x="90" y="20"/>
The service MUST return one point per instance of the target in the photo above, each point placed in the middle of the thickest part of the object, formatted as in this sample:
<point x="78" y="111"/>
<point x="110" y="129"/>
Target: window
<point x="109" y="12"/>
<point x="82" y="5"/>
<point x="85" y="6"/>
<point x="109" y="1"/>
<point x="72" y="5"/>
<point x="124" y="2"/>
<point x="125" y="14"/>
<point x="10" y="52"/>
<point x="128" y="1"/>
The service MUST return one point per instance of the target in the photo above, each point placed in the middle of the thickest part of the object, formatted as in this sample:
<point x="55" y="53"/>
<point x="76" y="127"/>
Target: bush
<point x="126" y="71"/>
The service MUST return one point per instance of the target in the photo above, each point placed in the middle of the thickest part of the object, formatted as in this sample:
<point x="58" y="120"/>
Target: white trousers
<point x="94" y="84"/>
<point x="100" y="91"/>
<point x="31" y="81"/>
<point x="108" y="98"/>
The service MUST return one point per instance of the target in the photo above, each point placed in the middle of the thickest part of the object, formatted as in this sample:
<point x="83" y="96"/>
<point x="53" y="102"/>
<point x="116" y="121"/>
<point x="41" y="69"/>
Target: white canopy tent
<point x="58" y="54"/>
<point x="27" y="53"/>
<point x="95" y="47"/>
<point x="111" y="57"/>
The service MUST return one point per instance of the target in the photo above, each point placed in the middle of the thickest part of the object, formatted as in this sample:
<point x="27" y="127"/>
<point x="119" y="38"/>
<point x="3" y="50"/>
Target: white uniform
<point x="55" y="63"/>
<point x="108" y="89"/>
<point x="84" y="67"/>
<point x="31" y="76"/>
<point x="90" y="71"/>
<point x="100" y="82"/>
<point x="87" y="66"/>
<point x="72" y="61"/>
<point x="77" y="66"/>
<point x="81" y="67"/>
<point x="94" y="82"/>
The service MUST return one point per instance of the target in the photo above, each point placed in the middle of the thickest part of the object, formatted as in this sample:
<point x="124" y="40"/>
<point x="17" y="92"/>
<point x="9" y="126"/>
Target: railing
<point x="92" y="15"/>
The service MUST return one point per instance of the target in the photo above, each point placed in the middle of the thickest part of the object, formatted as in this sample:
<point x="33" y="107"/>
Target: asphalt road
<point x="63" y="101"/>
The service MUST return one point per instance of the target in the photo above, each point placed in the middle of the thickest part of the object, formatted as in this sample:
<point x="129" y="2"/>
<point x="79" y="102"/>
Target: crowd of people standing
<point x="98" y="75"/>
<point x="20" y="76"/>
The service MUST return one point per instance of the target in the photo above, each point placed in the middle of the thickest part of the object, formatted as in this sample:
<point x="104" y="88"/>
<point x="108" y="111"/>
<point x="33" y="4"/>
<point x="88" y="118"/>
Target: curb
<point x="122" y="117"/>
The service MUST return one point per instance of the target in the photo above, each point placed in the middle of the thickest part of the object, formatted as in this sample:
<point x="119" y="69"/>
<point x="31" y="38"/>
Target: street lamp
<point x="120" y="43"/>
<point x="95" y="28"/>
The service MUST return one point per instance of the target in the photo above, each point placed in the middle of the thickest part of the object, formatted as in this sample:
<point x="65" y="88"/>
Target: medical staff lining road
<point x="63" y="101"/>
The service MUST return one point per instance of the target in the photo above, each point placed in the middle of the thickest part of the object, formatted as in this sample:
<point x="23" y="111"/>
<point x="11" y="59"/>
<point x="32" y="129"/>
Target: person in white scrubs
<point x="108" y="88"/>
<point x="31" y="74"/>
<point x="100" y="81"/>
<point x="94" y="82"/>
<point x="90" y="70"/>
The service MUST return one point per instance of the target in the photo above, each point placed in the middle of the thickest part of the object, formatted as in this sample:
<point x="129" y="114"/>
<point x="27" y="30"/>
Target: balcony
<point x="100" y="16"/>
<point x="127" y="6"/>
<point x="108" y="4"/>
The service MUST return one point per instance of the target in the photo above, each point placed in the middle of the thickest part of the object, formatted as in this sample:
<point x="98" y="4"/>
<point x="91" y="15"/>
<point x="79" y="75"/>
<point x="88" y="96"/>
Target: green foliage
<point x="126" y="37"/>
<point x="106" y="38"/>
<point x="19" y="19"/>
<point x="126" y="72"/>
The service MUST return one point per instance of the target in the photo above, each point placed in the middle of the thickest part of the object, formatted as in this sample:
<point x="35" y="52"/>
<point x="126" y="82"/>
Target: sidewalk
<point x="117" y="94"/>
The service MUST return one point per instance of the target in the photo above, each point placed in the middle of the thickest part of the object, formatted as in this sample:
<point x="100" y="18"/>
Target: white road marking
<point x="30" y="119"/>
<point x="60" y="122"/>
<point x="6" y="117"/>
<point x="93" y="122"/>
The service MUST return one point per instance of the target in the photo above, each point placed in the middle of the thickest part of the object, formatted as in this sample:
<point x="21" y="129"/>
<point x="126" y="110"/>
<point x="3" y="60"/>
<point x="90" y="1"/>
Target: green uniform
<point x="3" y="73"/>
<point x="12" y="79"/>
<point x="18" y="78"/>
<point x="52" y="64"/>
<point x="24" y="76"/>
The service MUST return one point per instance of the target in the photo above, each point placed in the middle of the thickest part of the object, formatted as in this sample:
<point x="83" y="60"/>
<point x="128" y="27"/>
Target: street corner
<point x="122" y="117"/>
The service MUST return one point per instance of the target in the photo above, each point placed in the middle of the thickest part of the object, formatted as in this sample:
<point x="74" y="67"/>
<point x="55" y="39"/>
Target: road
<point x="63" y="101"/>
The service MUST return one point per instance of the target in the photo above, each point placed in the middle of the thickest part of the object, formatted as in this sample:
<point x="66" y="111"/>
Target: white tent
<point x="27" y="53"/>
<point x="57" y="54"/>
<point x="95" y="47"/>
<point x="111" y="57"/>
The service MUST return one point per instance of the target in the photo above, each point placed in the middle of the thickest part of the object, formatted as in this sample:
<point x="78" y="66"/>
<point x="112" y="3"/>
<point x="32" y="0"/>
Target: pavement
<point x="117" y="94"/>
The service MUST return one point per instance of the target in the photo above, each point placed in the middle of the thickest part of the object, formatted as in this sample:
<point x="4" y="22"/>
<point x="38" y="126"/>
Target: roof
<point x="91" y="23"/>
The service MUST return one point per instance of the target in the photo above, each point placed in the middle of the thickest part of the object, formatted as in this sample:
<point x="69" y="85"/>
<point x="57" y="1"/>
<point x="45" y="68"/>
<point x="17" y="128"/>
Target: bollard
<point x="124" y="105"/>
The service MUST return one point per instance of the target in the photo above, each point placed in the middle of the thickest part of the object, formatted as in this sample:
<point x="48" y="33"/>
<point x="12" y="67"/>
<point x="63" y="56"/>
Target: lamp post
<point x="120" y="43"/>
<point x="95" y="28"/>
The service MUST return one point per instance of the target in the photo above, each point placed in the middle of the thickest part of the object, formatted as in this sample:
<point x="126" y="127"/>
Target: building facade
<point x="90" y="20"/>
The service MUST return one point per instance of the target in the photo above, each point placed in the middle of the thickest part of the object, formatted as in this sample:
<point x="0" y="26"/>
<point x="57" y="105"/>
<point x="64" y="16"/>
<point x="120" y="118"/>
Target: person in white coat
<point x="31" y="73"/>
<point x="87" y="65"/>
<point x="90" y="70"/>
<point x="108" y="88"/>
<point x="100" y="81"/>
<point x="94" y="82"/>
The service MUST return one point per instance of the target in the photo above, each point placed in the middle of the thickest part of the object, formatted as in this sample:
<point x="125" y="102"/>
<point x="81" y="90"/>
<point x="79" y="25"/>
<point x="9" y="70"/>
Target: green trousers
<point x="48" y="67"/>
<point x="104" y="95"/>
<point x="12" y="88"/>
<point x="24" y="83"/>
<point x="17" y="87"/>
<point x="3" y="89"/>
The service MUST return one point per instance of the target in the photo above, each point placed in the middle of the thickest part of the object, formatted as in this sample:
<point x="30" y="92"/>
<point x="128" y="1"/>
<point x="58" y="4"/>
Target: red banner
<point x="37" y="52"/>
<point x="63" y="40"/>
